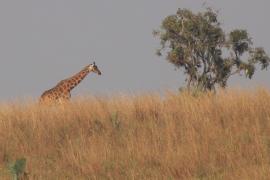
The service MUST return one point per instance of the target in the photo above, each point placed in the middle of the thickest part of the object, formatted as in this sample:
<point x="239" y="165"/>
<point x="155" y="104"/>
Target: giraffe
<point x="61" y="92"/>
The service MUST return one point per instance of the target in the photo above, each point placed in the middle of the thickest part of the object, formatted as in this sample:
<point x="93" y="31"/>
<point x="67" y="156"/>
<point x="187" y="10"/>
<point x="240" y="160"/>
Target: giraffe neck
<point x="73" y="81"/>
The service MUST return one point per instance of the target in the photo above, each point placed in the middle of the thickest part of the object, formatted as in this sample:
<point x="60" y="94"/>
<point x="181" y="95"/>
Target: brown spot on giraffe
<point x="61" y="92"/>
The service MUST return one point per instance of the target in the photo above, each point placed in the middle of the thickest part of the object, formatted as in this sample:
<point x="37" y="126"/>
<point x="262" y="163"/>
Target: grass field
<point x="176" y="136"/>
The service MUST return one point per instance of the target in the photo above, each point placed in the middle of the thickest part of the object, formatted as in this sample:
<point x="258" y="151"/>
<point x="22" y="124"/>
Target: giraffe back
<point x="57" y="93"/>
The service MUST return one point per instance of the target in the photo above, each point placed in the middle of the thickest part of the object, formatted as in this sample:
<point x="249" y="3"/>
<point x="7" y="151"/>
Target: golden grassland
<point x="176" y="136"/>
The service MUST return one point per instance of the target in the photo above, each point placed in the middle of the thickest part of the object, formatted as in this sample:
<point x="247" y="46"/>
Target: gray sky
<point x="45" y="41"/>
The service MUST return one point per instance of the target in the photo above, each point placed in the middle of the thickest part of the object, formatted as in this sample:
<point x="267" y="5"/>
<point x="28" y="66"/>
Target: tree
<point x="197" y="43"/>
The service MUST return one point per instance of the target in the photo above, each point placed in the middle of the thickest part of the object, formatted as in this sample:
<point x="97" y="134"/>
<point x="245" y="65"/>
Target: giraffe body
<point x="61" y="92"/>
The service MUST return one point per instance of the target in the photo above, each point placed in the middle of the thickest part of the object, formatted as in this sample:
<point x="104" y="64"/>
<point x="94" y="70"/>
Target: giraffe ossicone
<point x="61" y="92"/>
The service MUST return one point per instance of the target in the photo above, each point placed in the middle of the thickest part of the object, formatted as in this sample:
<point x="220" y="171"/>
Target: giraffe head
<point x="93" y="67"/>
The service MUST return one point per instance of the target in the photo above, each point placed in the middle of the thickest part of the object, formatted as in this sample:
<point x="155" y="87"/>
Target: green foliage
<point x="239" y="41"/>
<point x="17" y="168"/>
<point x="197" y="43"/>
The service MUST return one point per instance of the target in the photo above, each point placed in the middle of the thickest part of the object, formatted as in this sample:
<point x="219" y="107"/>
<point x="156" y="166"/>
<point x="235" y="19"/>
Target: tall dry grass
<point x="179" y="136"/>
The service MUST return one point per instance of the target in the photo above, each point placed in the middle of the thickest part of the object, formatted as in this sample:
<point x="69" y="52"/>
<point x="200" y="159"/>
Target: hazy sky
<point x="45" y="41"/>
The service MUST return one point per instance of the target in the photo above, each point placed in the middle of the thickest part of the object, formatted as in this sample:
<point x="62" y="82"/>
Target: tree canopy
<point x="196" y="43"/>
